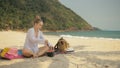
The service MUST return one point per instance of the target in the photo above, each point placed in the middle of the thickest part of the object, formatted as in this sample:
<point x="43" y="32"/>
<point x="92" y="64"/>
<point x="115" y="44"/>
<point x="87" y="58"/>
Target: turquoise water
<point x="98" y="34"/>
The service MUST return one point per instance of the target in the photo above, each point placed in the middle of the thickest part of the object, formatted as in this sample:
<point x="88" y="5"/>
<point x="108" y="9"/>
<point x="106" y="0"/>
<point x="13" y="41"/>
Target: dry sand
<point x="89" y="53"/>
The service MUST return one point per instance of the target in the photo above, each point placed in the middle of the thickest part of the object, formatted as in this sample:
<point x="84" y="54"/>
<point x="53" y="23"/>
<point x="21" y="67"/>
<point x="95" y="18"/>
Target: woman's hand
<point x="35" y="55"/>
<point x="51" y="48"/>
<point x="49" y="45"/>
<point x="46" y="41"/>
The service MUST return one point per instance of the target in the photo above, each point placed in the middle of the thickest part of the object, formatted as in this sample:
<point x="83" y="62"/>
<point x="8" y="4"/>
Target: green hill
<point x="19" y="14"/>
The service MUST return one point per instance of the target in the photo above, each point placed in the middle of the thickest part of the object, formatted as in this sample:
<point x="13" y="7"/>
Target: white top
<point x="31" y="42"/>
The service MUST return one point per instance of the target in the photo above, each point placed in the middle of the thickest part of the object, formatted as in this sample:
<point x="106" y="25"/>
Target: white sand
<point x="89" y="53"/>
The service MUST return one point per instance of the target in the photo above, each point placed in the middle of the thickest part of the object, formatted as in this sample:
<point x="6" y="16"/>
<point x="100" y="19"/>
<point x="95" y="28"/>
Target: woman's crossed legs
<point x="28" y="53"/>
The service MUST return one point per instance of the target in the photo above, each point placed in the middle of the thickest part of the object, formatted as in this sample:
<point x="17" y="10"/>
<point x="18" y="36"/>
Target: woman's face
<point x="39" y="25"/>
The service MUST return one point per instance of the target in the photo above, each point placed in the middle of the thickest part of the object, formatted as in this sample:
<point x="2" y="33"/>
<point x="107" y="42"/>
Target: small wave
<point x="69" y="36"/>
<point x="83" y="37"/>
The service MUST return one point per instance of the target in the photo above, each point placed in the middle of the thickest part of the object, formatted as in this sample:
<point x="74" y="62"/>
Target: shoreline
<point x="69" y="36"/>
<point x="110" y="35"/>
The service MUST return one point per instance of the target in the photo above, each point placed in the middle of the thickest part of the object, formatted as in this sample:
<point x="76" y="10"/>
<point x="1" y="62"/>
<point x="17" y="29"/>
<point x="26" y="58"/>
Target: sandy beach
<point x="89" y="53"/>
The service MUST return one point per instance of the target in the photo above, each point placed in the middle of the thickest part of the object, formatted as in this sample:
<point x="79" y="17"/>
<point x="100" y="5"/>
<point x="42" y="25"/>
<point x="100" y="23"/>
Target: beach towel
<point x="11" y="53"/>
<point x="3" y="52"/>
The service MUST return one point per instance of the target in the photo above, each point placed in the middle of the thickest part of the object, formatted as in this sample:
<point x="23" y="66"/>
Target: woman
<point x="33" y="38"/>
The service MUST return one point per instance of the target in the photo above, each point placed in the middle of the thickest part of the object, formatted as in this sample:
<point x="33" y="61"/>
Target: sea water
<point x="88" y="34"/>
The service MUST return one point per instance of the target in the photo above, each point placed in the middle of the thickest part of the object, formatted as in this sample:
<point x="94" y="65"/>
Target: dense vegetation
<point x="19" y="14"/>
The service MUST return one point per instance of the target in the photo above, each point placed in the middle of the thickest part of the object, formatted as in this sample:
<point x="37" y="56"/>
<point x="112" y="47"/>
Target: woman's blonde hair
<point x="36" y="21"/>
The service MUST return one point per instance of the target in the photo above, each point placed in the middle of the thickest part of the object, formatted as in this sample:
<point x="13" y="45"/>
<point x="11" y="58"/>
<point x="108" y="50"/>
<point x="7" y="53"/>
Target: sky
<point x="104" y="14"/>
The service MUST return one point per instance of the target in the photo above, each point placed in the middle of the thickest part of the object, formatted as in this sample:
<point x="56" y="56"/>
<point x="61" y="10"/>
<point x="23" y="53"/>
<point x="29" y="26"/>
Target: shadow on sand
<point x="60" y="60"/>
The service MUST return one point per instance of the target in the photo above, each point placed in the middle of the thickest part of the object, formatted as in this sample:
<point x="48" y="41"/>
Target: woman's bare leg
<point x="43" y="50"/>
<point x="27" y="53"/>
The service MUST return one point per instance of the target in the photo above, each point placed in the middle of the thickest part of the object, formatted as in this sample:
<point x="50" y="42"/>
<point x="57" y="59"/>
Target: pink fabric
<point x="12" y="54"/>
<point x="13" y="51"/>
